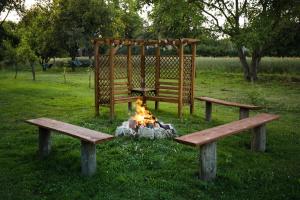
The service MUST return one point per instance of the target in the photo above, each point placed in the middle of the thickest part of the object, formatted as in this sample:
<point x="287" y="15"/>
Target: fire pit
<point x="144" y="124"/>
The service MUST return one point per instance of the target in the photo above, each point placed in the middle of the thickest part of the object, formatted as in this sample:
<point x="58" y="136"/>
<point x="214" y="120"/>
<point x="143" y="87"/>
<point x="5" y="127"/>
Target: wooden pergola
<point x="123" y="75"/>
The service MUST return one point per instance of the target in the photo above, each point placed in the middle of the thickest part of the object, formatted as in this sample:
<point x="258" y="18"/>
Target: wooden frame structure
<point x="124" y="76"/>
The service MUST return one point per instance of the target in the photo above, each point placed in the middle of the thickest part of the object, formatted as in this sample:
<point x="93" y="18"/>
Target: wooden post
<point x="44" y="142"/>
<point x="143" y="75"/>
<point x="244" y="113"/>
<point x="111" y="78"/>
<point x="193" y="78"/>
<point x="129" y="75"/>
<point x="208" y="161"/>
<point x="96" y="78"/>
<point x="143" y="72"/>
<point x="157" y="75"/>
<point x="259" y="138"/>
<point x="208" y="109"/>
<point x="180" y="82"/>
<point x="88" y="158"/>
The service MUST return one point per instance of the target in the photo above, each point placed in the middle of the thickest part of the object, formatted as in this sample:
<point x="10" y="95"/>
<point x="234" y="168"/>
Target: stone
<point x="146" y="133"/>
<point x="159" y="133"/>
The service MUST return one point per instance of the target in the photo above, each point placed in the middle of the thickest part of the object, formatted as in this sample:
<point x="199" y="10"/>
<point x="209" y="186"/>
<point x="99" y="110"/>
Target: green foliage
<point x="25" y="53"/>
<point x="126" y="21"/>
<point x="140" y="168"/>
<point x="76" y="22"/>
<point x="176" y="19"/>
<point x="37" y="28"/>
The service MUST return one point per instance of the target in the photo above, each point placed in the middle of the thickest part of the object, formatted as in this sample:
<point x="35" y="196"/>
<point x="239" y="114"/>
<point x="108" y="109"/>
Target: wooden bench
<point x="89" y="139"/>
<point x="207" y="139"/>
<point x="244" y="108"/>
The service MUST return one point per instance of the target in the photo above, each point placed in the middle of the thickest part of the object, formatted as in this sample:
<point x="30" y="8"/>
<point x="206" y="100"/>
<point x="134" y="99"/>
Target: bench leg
<point x="130" y="106"/>
<point x="112" y="112"/>
<point x="259" y="138"/>
<point x="88" y="158"/>
<point x="44" y="142"/>
<point x="192" y="108"/>
<point x="208" y="161"/>
<point x="208" y="109"/>
<point x="244" y="113"/>
<point x="156" y="105"/>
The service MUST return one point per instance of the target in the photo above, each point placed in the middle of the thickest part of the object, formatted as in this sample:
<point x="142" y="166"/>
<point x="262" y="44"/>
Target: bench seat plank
<point x="121" y="99"/>
<point x="169" y="99"/>
<point x="209" y="135"/>
<point x="227" y="103"/>
<point x="85" y="134"/>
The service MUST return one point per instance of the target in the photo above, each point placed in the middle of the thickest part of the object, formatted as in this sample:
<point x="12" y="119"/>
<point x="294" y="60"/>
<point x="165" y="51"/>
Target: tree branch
<point x="220" y="9"/>
<point x="5" y="17"/>
<point x="228" y="10"/>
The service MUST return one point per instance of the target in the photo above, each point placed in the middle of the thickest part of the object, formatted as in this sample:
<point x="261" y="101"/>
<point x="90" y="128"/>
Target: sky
<point x="13" y="16"/>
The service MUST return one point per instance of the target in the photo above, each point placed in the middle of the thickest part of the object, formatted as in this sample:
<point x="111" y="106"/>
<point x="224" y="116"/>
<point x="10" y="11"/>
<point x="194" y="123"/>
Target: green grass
<point x="141" y="168"/>
<point x="268" y="65"/>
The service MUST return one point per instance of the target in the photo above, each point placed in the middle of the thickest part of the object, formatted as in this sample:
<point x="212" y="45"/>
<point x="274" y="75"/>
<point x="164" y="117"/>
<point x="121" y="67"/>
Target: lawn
<point x="141" y="168"/>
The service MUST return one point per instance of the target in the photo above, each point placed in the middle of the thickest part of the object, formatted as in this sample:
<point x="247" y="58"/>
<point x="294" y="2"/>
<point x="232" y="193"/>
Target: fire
<point x="142" y="115"/>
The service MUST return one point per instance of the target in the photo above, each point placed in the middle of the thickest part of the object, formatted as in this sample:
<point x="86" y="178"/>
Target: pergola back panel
<point x="120" y="76"/>
<point x="136" y="71"/>
<point x="169" y="67"/>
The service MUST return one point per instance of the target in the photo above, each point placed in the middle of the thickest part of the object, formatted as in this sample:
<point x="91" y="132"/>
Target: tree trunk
<point x="255" y="60"/>
<point x="43" y="64"/>
<point x="33" y="71"/>
<point x="73" y="63"/>
<point x="244" y="63"/>
<point x="16" y="70"/>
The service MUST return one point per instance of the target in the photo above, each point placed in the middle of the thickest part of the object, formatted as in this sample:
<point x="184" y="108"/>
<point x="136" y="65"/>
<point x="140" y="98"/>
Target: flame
<point x="142" y="115"/>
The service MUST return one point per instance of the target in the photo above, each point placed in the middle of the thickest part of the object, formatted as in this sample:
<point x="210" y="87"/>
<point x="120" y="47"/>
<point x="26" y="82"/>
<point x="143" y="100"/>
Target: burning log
<point x="144" y="124"/>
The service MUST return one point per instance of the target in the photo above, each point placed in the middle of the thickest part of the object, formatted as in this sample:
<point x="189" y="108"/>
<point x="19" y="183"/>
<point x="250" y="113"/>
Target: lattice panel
<point x="169" y="67"/>
<point x="150" y="65"/>
<point x="120" y="66"/>
<point x="136" y="71"/>
<point x="104" y="81"/>
<point x="187" y="79"/>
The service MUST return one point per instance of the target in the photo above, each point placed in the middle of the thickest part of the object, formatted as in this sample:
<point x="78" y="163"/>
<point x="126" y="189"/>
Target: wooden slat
<point x="209" y="135"/>
<point x="168" y="92"/>
<point x="168" y="88"/>
<point x="111" y="78"/>
<point x="168" y="83"/>
<point x="71" y="130"/>
<point x="125" y="99"/>
<point x="121" y="87"/>
<point x="129" y="68"/>
<point x="109" y="41"/>
<point x="143" y="89"/>
<point x="163" y="99"/>
<point x="96" y="79"/>
<point x="194" y="49"/>
<point x="120" y="92"/>
<point x="121" y="83"/>
<point x="227" y="103"/>
<point x="180" y="82"/>
<point x="143" y="63"/>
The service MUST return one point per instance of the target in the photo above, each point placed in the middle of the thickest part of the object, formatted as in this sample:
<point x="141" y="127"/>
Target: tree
<point x="76" y="22"/>
<point x="9" y="42"/>
<point x="7" y="6"/>
<point x="250" y="24"/>
<point x="26" y="54"/>
<point x="175" y="19"/>
<point x="126" y="22"/>
<point x="38" y="27"/>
